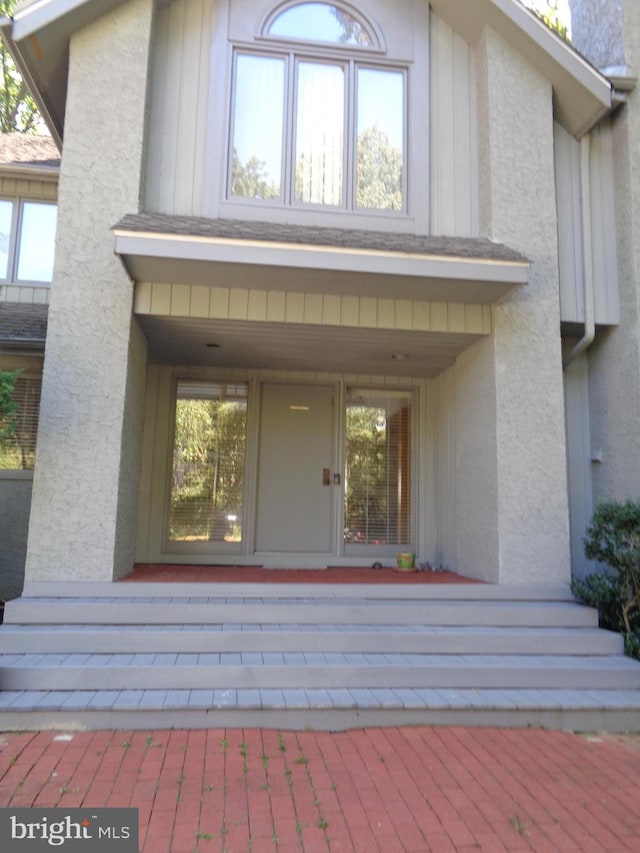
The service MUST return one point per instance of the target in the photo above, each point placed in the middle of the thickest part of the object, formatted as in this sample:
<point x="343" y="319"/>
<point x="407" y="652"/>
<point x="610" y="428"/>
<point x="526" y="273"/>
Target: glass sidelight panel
<point x="207" y="483"/>
<point x="378" y="489"/>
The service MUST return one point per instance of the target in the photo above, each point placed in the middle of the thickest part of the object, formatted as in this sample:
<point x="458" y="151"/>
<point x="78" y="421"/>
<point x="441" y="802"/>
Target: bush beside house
<point x="613" y="539"/>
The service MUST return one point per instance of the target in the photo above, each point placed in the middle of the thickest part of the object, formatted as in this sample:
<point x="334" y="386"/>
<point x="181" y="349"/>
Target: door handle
<point x="326" y="476"/>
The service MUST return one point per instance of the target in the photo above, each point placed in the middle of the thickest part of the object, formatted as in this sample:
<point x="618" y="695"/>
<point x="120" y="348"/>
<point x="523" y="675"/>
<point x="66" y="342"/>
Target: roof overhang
<point x="26" y="170"/>
<point x="310" y="260"/>
<point x="582" y="94"/>
<point x="39" y="32"/>
<point x="37" y="36"/>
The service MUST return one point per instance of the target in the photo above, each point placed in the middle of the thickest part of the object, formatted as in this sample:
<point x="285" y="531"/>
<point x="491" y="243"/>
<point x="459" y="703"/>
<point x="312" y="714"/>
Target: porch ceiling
<point x="286" y="346"/>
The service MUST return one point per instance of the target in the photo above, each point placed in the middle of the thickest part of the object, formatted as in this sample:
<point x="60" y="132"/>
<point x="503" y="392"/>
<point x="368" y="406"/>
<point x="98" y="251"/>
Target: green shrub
<point x="613" y="538"/>
<point x="601" y="590"/>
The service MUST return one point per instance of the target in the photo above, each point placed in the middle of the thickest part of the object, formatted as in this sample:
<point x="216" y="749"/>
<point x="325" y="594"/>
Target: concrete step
<point x="110" y="639"/>
<point x="337" y="611"/>
<point x="574" y="710"/>
<point x="283" y="591"/>
<point x="315" y="670"/>
<point x="310" y="655"/>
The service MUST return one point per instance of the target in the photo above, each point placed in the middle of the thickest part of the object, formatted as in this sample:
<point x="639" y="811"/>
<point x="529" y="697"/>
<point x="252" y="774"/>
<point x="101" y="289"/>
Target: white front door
<point x="295" y="504"/>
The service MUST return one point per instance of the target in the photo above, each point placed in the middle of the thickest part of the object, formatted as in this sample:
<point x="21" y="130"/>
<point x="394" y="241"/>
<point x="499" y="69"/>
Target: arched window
<point x="319" y="115"/>
<point x="321" y="22"/>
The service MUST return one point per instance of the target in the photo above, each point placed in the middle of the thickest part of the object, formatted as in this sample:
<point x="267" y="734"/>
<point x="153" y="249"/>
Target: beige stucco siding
<point x="516" y="484"/>
<point x="85" y="484"/>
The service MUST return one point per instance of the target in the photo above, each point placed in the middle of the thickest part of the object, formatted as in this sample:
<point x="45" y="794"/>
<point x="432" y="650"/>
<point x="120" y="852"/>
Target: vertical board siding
<point x="453" y="173"/>
<point x="568" y="202"/>
<point x="276" y="306"/>
<point x="179" y="110"/>
<point x="29" y="188"/>
<point x="178" y="114"/>
<point x="25" y="294"/>
<point x="603" y="227"/>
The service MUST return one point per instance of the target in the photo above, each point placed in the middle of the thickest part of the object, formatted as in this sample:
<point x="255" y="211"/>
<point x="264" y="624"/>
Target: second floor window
<point x="322" y="122"/>
<point x="27" y="240"/>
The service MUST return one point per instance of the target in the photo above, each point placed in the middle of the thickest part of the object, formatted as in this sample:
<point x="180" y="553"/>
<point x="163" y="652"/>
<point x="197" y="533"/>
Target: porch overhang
<point x="265" y="256"/>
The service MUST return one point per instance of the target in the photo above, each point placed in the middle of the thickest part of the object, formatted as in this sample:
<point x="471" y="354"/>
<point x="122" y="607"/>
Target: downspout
<point x="587" y="256"/>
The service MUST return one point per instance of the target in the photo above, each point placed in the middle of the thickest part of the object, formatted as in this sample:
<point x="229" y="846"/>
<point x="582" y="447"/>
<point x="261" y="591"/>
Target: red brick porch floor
<point x="410" y="789"/>
<point x="149" y="572"/>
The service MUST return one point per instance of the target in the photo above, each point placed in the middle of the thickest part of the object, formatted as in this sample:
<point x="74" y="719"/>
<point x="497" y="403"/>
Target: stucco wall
<point x="523" y="373"/>
<point x="596" y="30"/>
<point x="83" y="518"/>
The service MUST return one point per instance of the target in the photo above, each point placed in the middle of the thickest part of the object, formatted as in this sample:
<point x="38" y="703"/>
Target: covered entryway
<point x="320" y="366"/>
<point x="266" y="471"/>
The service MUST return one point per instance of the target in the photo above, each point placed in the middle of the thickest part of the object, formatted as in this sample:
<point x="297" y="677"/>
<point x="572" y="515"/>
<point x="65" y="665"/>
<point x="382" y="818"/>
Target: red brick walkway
<point x="409" y="789"/>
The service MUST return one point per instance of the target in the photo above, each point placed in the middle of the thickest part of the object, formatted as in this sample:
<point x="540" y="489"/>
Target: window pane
<point x="258" y="127"/>
<point x="378" y="468"/>
<point x="208" y="463"/>
<point x="6" y="214"/>
<point x="320" y="22"/>
<point x="37" y="242"/>
<point x="319" y="133"/>
<point x="380" y="141"/>
<point x="18" y="451"/>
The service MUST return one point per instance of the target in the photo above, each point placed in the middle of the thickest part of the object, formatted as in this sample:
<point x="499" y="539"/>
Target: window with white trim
<point x="27" y="240"/>
<point x="319" y="114"/>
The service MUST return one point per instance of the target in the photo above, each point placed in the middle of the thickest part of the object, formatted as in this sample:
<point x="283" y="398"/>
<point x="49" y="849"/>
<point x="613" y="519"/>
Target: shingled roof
<point x="270" y="232"/>
<point x="23" y="325"/>
<point x="22" y="149"/>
